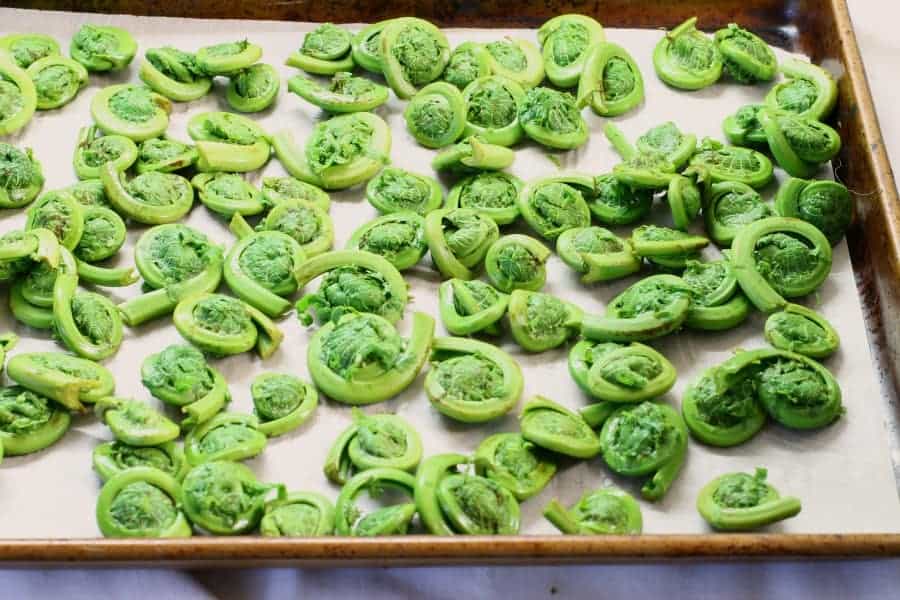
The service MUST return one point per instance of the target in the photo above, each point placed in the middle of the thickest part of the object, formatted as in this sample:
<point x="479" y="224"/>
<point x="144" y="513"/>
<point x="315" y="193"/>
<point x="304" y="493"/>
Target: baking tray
<point x="820" y="29"/>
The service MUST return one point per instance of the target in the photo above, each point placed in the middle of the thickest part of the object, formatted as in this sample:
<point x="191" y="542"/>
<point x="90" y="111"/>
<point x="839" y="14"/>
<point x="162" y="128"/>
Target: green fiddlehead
<point x="554" y="427"/>
<point x="716" y="163"/>
<point x="299" y="514"/>
<point x="20" y="250"/>
<point x="151" y="198"/>
<point x="685" y="201"/>
<point x="687" y="59"/>
<point x="472" y="155"/>
<point x="729" y="206"/>
<point x="413" y="53"/>
<point x="492" y="109"/>
<point x="514" y="463"/>
<point x="799" y="144"/>
<point x="104" y="234"/>
<point x="778" y="258"/>
<point x="670" y="142"/>
<point x="174" y="74"/>
<point x="226" y="436"/>
<point x="361" y="359"/>
<point x="18" y="96"/>
<point x="228" y="142"/>
<point x="472" y="381"/>
<point x="21" y="177"/>
<point x="716" y="301"/>
<point x="597" y="253"/>
<point x="375" y="441"/>
<point x="228" y="194"/>
<point x="57" y="80"/>
<point x="304" y="222"/>
<point x="223" y="325"/>
<point x="225" y="498"/>
<point x="566" y="43"/>
<point x="620" y="372"/>
<point x="134" y="422"/>
<point x="798" y="329"/>
<point x="164" y="154"/>
<point x="254" y="89"/>
<point x="516" y="59"/>
<point x="112" y="458"/>
<point x="103" y="48"/>
<point x="517" y="262"/>
<point x="59" y="213"/>
<point x="227" y="58"/>
<point x="809" y="91"/>
<point x="288" y="190"/>
<point x="469" y="307"/>
<point x="66" y="379"/>
<point x="397" y="237"/>
<point x="133" y="111"/>
<point x="29" y="421"/>
<point x="89" y="192"/>
<point x="743" y="127"/>
<point x="180" y="376"/>
<point x="28" y="48"/>
<point x="142" y="502"/>
<point x="468" y="62"/>
<point x="666" y="248"/>
<point x="745" y="56"/>
<point x="282" y="402"/>
<point x="395" y="519"/>
<point x="826" y="204"/>
<point x="458" y="239"/>
<point x="552" y="205"/>
<point x="607" y="511"/>
<point x="344" y="93"/>
<point x="436" y="115"/>
<point x="325" y="51"/>
<point x="743" y="502"/>
<point x="395" y="189"/>
<point x="638" y="170"/>
<point x="94" y="150"/>
<point x="492" y="193"/>
<point x="611" y="82"/>
<point x="355" y="281"/>
<point x="552" y="118"/>
<point x="540" y="322"/>
<point x="617" y="203"/>
<point x="366" y="46"/>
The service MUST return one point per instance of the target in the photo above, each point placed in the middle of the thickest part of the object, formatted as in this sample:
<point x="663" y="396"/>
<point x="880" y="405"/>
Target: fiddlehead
<point x="103" y="48"/>
<point x="472" y="381"/>
<point x="366" y="46"/>
<point x="227" y="58"/>
<point x="638" y="170"/>
<point x="803" y="331"/>
<point x="645" y="439"/>
<point x="18" y="96"/>
<point x="685" y="201"/>
<point x="413" y="53"/>
<point x="28" y="48"/>
<point x="355" y="281"/>
<point x="95" y="150"/>
<point x="375" y="441"/>
<point x="514" y="463"/>
<point x="112" y="458"/>
<point x="341" y="152"/>
<point x="223" y="325"/>
<point x="287" y="190"/>
<point x="745" y="56"/>
<point x="260" y="267"/>
<point x="301" y="220"/>
<point x="517" y="262"/>
<point x="89" y="192"/>
<point x="715" y="163"/>
<point x="458" y="239"/>
<point x="20" y="250"/>
<point x="29" y="421"/>
<point x="566" y="43"/>
<point x="826" y="204"/>
<point x="743" y="127"/>
<point x="133" y="111"/>
<point x="225" y="498"/>
<point x="778" y="258"/>
<point x="540" y="322"/>
<point x="59" y="213"/>
<point x="492" y="110"/>
<point x="716" y="301"/>
<point x="687" y="59"/>
<point x="228" y="142"/>
<point x="67" y="379"/>
<point x="344" y="94"/>
<point x="395" y="519"/>
<point x="254" y="89"/>
<point x="552" y="118"/>
<point x="451" y="502"/>
<point x="282" y="402"/>
<point x="799" y="144"/>
<point x="669" y="249"/>
<point x="468" y="62"/>
<point x="174" y="260"/>
<point x="809" y="91"/>
<point x="472" y="155"/>
<point x="743" y="502"/>
<point x="164" y="154"/>
<point x="228" y="194"/>
<point x="597" y="253"/>
<point x="299" y="514"/>
<point x="516" y="59"/>
<point x="607" y="511"/>
<point x="142" y="502"/>
<point x="730" y="206"/>
<point x="325" y="51"/>
<point x="226" y="436"/>
<point x="492" y="193"/>
<point x="361" y="359"/>
<point x="397" y="237"/>
<point x="103" y="236"/>
<point x="395" y="189"/>
<point x="611" y="82"/>
<point x="57" y="80"/>
<point x="21" y="177"/>
<point x="174" y="74"/>
<point x="670" y="142"/>
<point x="436" y="115"/>
<point x="151" y="198"/>
<point x="552" y="205"/>
<point x="616" y="203"/>
<point x="620" y="372"/>
<point x="653" y="307"/>
<point x="468" y="307"/>
<point x="180" y="376"/>
<point x="554" y="427"/>
<point x="134" y="422"/>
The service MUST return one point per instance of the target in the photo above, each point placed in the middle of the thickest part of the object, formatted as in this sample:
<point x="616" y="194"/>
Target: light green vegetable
<point x="566" y="42"/>
<point x="810" y="91"/>
<point x="716" y="163"/>
<point x="517" y="262"/>
<point x="607" y="511"/>
<point x="614" y="372"/>
<point x="226" y="436"/>
<point x="514" y="463"/>
<point x="94" y="150"/>
<point x="344" y="94"/>
<point x="165" y="155"/>
<point x="687" y="59"/>
<point x="472" y="155"/>
<point x="540" y="322"/>
<point x="228" y="194"/>
<point x="617" y="203"/>
<point x="366" y="45"/>
<point x="325" y="51"/>
<point x="413" y="53"/>
<point x="299" y="514"/>
<point x="152" y="198"/>
<point x="59" y="213"/>
<point x="554" y="427"/>
<point x="640" y="170"/>
<point x="133" y="111"/>
<point x="798" y="329"/>
<point x="288" y="190"/>
<point x="468" y="62"/>
<point x="395" y="189"/>
<point x="103" y="48"/>
<point x="398" y="237"/>
<point x="112" y="458"/>
<point x="552" y="118"/>
<point x="554" y="204"/>
<point x="716" y="302"/>
<point x="350" y="520"/>
<point x="67" y="379"/>
<point x="745" y="56"/>
<point x="223" y="325"/>
<point x="492" y="193"/>
<point x="799" y="144"/>
<point x="743" y="127"/>
<point x="610" y="82"/>
<point x="492" y="105"/>
<point x="57" y="80"/>
<point x="743" y="502"/>
<point x="254" y="89"/>
<point x="228" y="142"/>
<point x="826" y="204"/>
<point x="28" y="48"/>
<point x="21" y="177"/>
<point x="468" y="307"/>
<point x="18" y="96"/>
<point x="29" y="421"/>
<point x="597" y="253"/>
<point x="436" y="115"/>
<point x="305" y="223"/>
<point x="666" y="139"/>
<point x="227" y="58"/>
<point x="174" y="74"/>
<point x="373" y="442"/>
<point x="282" y="402"/>
<point x="729" y="207"/>
<point x="142" y="502"/>
<point x="458" y="239"/>
<point x="516" y="59"/>
<point x="134" y="422"/>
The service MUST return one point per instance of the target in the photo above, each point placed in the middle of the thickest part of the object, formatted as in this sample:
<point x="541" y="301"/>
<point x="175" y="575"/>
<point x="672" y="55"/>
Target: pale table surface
<point x="875" y="28"/>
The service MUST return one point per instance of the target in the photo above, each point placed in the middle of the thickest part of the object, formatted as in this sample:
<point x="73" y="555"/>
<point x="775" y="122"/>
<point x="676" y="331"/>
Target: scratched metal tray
<point x="820" y="29"/>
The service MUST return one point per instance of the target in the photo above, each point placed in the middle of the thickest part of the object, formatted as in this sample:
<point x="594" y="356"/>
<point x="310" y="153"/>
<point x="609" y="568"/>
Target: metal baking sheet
<point x="843" y="473"/>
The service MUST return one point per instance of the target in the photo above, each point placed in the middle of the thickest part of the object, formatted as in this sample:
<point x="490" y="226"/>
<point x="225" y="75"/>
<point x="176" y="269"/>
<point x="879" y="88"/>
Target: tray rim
<point x="247" y="551"/>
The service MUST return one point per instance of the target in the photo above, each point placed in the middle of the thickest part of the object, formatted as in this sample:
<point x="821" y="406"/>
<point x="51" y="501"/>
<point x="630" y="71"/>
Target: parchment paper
<point x="842" y="473"/>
